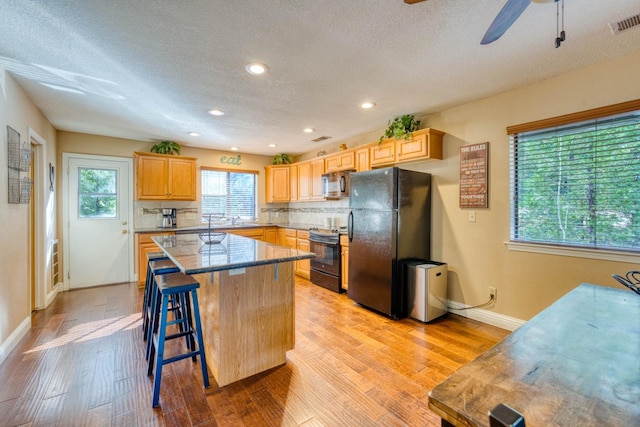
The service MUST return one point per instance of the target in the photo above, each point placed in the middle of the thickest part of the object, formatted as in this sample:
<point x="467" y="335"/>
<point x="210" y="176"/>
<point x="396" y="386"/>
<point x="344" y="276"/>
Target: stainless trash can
<point x="427" y="285"/>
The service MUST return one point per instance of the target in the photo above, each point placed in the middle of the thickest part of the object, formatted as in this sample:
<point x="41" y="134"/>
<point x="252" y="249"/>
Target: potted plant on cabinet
<point x="282" y="159"/>
<point x="401" y="127"/>
<point x="166" y="147"/>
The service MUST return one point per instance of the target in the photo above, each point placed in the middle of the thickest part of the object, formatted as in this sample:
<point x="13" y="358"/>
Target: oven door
<point x="327" y="258"/>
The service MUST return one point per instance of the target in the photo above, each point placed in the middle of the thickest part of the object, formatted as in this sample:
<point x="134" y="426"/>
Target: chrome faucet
<point x="235" y="220"/>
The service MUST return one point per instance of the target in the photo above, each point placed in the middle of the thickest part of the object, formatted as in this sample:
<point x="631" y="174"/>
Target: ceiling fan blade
<point x="507" y="16"/>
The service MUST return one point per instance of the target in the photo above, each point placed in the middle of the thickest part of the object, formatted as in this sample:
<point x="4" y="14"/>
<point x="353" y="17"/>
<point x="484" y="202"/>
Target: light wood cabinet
<point x="426" y="143"/>
<point x="145" y="246"/>
<point x="271" y="235"/>
<point x="383" y="154"/>
<point x="338" y="162"/>
<point x="277" y="183"/>
<point x="304" y="181"/>
<point x="298" y="239"/>
<point x="253" y="232"/>
<point x="344" y="261"/>
<point x="310" y="180"/>
<point x="362" y="159"/>
<point x="293" y="183"/>
<point x="303" y="266"/>
<point x="317" y="169"/>
<point x="165" y="177"/>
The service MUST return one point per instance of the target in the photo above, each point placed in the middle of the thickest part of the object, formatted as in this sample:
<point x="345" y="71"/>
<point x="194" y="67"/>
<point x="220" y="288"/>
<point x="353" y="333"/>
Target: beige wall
<point x="17" y="111"/>
<point x="475" y="252"/>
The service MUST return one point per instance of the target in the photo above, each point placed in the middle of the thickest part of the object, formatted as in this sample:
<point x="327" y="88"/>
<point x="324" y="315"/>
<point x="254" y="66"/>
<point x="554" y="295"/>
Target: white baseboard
<point x="52" y="295"/>
<point x="15" y="337"/>
<point x="485" y="316"/>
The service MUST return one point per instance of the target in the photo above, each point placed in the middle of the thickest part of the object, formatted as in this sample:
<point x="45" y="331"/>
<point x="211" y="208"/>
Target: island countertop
<point x="193" y="256"/>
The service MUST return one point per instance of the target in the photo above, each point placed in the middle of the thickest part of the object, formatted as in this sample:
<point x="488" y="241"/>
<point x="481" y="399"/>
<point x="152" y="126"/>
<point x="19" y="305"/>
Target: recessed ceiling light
<point x="194" y="134"/>
<point x="234" y="148"/>
<point x="256" y="68"/>
<point x="273" y="145"/>
<point x="367" y="105"/>
<point x="308" y="130"/>
<point x="216" y="112"/>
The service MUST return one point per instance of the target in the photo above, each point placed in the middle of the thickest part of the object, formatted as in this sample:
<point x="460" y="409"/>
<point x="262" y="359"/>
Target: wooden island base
<point x="247" y="318"/>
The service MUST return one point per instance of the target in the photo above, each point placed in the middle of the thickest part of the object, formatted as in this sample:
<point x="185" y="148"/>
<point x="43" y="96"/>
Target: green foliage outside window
<point x="97" y="193"/>
<point x="579" y="185"/>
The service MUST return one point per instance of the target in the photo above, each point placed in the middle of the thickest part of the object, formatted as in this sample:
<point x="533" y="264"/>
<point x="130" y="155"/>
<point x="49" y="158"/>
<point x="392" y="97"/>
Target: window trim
<point x="568" y="250"/>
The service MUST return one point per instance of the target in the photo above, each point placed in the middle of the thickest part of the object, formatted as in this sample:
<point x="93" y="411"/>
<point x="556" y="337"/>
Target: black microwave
<point x="335" y="185"/>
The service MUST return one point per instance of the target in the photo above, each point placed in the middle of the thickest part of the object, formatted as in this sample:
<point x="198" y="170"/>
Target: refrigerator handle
<point x="343" y="184"/>
<point x="350" y="227"/>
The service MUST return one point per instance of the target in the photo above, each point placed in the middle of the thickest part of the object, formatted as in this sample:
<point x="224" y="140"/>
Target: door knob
<point x="124" y="222"/>
<point x="125" y="231"/>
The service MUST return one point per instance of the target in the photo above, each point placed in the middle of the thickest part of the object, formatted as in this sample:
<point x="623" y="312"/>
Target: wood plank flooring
<point x="82" y="364"/>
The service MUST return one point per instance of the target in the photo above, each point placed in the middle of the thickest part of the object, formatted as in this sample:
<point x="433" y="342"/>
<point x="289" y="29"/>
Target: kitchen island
<point x="246" y="300"/>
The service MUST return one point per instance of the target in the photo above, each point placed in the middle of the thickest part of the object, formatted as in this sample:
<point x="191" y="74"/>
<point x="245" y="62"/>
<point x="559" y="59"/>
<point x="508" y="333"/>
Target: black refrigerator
<point x="389" y="223"/>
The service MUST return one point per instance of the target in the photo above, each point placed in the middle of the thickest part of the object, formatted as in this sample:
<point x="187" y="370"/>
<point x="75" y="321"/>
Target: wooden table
<point x="246" y="299"/>
<point x="577" y="363"/>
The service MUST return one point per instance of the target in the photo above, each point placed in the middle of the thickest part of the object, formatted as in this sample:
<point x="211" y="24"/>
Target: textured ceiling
<point x="151" y="69"/>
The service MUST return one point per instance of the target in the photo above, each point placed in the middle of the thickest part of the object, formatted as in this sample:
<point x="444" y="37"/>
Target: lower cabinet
<point x="146" y="246"/>
<point x="298" y="239"/>
<point x="271" y="235"/>
<point x="254" y="233"/>
<point x="344" y="262"/>
<point x="303" y="266"/>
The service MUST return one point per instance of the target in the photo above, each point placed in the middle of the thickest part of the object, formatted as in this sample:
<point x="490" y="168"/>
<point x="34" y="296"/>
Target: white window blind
<point x="229" y="193"/>
<point x="578" y="184"/>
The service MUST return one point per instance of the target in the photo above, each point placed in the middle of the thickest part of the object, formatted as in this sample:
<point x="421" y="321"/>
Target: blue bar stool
<point x="181" y="289"/>
<point x="154" y="269"/>
<point x="152" y="256"/>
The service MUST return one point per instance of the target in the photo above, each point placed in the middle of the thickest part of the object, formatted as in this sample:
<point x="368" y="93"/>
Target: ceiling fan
<point x="506" y="17"/>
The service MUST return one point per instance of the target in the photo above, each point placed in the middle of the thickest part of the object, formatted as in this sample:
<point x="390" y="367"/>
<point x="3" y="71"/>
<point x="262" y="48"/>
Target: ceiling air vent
<point x="321" y="138"/>
<point x="625" y="24"/>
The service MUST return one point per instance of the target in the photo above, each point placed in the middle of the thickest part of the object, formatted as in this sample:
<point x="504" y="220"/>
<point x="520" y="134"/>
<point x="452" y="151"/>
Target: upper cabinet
<point x="424" y="144"/>
<point x="277" y="183"/>
<point x="362" y="159"/>
<point x="165" y="177"/>
<point x="302" y="181"/>
<point x="343" y="160"/>
<point x="310" y="180"/>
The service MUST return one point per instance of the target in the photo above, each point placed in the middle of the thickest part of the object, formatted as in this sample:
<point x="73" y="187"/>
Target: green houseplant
<point x="282" y="159"/>
<point x="166" y="147"/>
<point x="401" y="127"/>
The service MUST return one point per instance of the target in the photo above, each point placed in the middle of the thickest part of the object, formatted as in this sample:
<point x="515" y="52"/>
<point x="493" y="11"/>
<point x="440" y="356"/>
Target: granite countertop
<point x="204" y="227"/>
<point x="193" y="256"/>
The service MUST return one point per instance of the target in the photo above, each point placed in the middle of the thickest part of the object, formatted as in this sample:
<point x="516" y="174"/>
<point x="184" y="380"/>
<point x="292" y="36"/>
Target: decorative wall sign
<point x="474" y="182"/>
<point x="18" y="162"/>
<point x="237" y="160"/>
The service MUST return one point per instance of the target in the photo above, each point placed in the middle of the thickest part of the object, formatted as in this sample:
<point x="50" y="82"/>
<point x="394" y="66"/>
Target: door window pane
<point x="97" y="193"/>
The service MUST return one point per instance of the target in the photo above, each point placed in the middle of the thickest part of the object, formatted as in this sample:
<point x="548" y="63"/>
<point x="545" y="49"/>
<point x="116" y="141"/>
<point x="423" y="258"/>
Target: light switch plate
<point x="190" y="215"/>
<point x="472" y="216"/>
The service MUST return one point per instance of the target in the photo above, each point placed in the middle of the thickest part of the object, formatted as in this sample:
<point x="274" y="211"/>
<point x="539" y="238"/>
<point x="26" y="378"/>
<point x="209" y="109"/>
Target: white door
<point x="98" y="217"/>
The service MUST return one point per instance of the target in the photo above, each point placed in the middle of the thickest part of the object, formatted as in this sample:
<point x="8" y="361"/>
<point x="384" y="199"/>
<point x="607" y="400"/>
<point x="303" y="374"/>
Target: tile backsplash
<point x="147" y="214"/>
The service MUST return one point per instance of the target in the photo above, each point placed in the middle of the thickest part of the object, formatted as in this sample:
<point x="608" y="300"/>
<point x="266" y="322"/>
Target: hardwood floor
<point x="83" y="363"/>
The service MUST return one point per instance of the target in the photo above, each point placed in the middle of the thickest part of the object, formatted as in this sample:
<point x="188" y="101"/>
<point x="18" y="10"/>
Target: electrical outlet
<point x="190" y="215"/>
<point x="493" y="292"/>
<point x="140" y="211"/>
<point x="472" y="216"/>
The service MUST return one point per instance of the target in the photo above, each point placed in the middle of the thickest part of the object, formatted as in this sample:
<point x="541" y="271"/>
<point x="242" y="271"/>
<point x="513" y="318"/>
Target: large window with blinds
<point x="578" y="184"/>
<point x="229" y="193"/>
